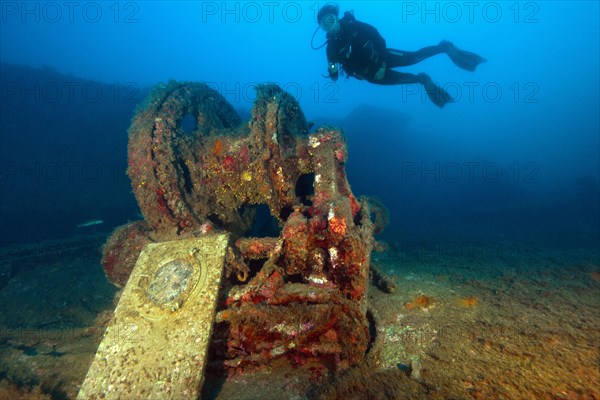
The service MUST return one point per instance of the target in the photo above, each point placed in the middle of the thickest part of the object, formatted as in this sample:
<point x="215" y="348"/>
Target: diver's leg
<point x="461" y="58"/>
<point x="435" y="93"/>
<point x="392" y="77"/>
<point x="400" y="58"/>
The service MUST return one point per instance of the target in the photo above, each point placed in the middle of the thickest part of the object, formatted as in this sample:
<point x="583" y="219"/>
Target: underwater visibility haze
<point x="411" y="192"/>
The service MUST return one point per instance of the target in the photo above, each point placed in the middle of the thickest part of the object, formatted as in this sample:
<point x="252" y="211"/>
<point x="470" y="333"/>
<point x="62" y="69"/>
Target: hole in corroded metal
<point x="188" y="124"/>
<point x="285" y="212"/>
<point x="263" y="223"/>
<point x="358" y="219"/>
<point x="254" y="267"/>
<point x="296" y="278"/>
<point x="305" y="188"/>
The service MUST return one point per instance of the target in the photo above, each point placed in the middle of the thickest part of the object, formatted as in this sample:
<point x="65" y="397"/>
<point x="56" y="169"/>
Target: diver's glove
<point x="381" y="72"/>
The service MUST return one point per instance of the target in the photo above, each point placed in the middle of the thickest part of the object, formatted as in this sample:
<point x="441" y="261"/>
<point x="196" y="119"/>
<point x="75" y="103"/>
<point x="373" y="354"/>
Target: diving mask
<point x="330" y="23"/>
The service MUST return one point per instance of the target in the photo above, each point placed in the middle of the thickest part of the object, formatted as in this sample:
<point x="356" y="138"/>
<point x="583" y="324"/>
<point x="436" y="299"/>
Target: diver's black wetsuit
<point x="361" y="51"/>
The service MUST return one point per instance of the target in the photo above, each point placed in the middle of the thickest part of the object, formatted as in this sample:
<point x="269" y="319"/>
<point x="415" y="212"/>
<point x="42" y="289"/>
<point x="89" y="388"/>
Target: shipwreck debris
<point x="301" y="294"/>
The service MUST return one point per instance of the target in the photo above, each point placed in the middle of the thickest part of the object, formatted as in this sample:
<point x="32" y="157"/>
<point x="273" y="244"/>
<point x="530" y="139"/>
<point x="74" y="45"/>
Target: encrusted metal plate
<point x="156" y="344"/>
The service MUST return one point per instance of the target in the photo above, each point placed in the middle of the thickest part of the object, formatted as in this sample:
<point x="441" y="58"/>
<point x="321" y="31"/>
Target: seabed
<point x="466" y="321"/>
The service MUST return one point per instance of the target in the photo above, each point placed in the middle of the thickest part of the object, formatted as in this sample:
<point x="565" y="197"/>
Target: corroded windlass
<point x="299" y="293"/>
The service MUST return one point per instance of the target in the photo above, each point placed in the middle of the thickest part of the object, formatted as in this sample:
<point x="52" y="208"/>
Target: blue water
<point x="495" y="197"/>
<point x="516" y="158"/>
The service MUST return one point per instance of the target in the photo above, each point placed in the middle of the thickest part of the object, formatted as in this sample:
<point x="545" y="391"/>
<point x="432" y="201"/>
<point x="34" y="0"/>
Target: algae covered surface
<point x="467" y="320"/>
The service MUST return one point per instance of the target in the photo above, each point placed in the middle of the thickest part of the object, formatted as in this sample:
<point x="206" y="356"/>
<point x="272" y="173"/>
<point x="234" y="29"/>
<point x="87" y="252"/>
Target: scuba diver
<point x="362" y="53"/>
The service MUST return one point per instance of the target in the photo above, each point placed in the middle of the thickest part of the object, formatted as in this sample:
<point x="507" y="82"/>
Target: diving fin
<point x="436" y="94"/>
<point x="462" y="58"/>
